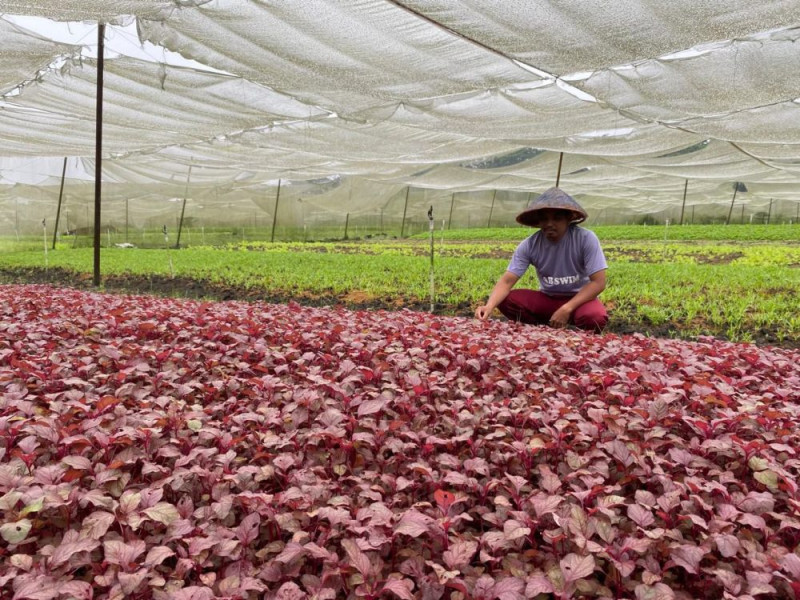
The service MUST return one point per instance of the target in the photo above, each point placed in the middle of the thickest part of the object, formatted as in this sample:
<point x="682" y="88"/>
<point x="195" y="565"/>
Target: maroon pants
<point x="535" y="308"/>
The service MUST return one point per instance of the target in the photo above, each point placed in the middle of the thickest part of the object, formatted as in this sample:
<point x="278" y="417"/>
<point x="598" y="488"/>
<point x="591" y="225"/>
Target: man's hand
<point x="483" y="312"/>
<point x="561" y="317"/>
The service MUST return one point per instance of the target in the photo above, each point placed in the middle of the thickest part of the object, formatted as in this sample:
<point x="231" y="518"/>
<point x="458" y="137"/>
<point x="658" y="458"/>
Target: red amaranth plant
<point x="161" y="448"/>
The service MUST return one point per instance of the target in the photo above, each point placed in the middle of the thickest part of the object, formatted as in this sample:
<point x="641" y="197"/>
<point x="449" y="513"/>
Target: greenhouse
<point x="374" y="109"/>
<point x="257" y="334"/>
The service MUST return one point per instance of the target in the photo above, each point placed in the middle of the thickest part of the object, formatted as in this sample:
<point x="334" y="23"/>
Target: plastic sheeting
<point x="379" y="108"/>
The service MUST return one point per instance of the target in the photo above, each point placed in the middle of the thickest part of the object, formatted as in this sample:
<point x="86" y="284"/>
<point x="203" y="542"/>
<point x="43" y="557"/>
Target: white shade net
<point x="376" y="109"/>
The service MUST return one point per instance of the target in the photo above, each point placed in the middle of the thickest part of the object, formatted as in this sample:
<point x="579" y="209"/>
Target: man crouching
<point x="569" y="263"/>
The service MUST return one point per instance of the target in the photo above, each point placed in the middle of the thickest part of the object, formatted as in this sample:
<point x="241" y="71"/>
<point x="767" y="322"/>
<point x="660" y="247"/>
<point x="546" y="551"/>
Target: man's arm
<point x="590" y="291"/>
<point x="499" y="293"/>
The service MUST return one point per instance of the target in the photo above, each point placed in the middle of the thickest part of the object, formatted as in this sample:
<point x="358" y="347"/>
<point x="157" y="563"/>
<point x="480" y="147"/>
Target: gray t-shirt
<point x="562" y="267"/>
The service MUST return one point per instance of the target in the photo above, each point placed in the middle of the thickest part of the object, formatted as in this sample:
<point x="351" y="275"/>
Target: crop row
<point x="740" y="301"/>
<point x="748" y="254"/>
<point x="749" y="233"/>
<point x="183" y="450"/>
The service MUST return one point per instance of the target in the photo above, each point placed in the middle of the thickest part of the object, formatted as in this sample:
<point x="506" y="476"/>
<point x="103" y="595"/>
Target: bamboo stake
<point x="60" y="196"/>
<point x="405" y="208"/>
<point x="558" y="175"/>
<point x="491" y="210"/>
<point x="735" y="189"/>
<point x="183" y="208"/>
<point x="450" y="218"/>
<point x="683" y="206"/>
<point x="275" y="214"/>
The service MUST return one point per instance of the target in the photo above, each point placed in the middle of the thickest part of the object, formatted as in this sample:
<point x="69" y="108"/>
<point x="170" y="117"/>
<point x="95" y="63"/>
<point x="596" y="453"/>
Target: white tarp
<point x="482" y="95"/>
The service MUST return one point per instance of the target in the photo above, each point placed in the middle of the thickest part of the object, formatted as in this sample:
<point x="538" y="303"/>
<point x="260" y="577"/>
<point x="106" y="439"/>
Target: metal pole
<point x="683" y="206"/>
<point x="452" y="201"/>
<point x="491" y="209"/>
<point x="275" y="214"/>
<point x="60" y="196"/>
<point x="769" y="214"/>
<point x="346" y="223"/>
<point x="405" y="208"/>
<point x="126" y="220"/>
<point x="44" y="238"/>
<point x="183" y="208"/>
<point x="101" y="34"/>
<point x="430" y="228"/>
<point x="735" y="189"/>
<point x="558" y="175"/>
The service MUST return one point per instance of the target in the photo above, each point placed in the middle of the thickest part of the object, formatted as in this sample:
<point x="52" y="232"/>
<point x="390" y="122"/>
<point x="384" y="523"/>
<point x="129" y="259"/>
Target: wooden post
<point x="735" y="189"/>
<point x="558" y="175"/>
<point x="405" y="208"/>
<point x="101" y="34"/>
<point x="452" y="201"/>
<point x="491" y="209"/>
<point x="60" y="196"/>
<point x="683" y="206"/>
<point x="183" y="208"/>
<point x="275" y="214"/>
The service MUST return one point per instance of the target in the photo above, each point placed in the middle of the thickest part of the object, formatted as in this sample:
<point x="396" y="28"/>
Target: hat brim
<point x="531" y="217"/>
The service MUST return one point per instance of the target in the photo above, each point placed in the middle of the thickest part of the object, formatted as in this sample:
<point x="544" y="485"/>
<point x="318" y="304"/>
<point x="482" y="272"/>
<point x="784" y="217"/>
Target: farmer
<point x="569" y="263"/>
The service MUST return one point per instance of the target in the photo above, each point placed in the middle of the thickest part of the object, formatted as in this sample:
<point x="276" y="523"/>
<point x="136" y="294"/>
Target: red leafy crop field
<point x="159" y="448"/>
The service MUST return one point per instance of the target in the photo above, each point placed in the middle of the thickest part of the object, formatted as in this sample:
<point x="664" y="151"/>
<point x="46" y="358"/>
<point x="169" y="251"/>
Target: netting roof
<point x="639" y="95"/>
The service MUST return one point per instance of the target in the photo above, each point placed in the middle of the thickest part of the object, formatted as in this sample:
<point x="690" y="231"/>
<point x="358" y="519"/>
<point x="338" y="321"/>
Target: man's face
<point x="554" y="223"/>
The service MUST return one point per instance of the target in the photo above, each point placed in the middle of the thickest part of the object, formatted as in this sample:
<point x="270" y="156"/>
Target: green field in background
<point x="734" y="288"/>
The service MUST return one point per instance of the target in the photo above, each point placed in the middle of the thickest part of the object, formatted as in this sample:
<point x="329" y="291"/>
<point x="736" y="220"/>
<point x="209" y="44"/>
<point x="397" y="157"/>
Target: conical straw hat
<point x="553" y="198"/>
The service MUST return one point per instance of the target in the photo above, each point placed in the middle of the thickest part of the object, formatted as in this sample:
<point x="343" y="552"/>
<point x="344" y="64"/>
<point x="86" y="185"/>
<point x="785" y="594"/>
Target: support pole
<point x="346" y="223"/>
<point x="60" y="196"/>
<point x="452" y="201"/>
<point x="683" y="206"/>
<point x="491" y="209"/>
<point x="126" y="220"/>
<point x="430" y="229"/>
<point x="101" y="34"/>
<point x="558" y="175"/>
<point x="769" y="213"/>
<point x="735" y="189"/>
<point x="44" y="238"/>
<point x="275" y="214"/>
<point x="183" y="209"/>
<point x="405" y="208"/>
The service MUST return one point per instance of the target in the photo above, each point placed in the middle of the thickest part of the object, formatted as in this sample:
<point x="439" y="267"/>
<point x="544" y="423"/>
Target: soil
<point x="354" y="299"/>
